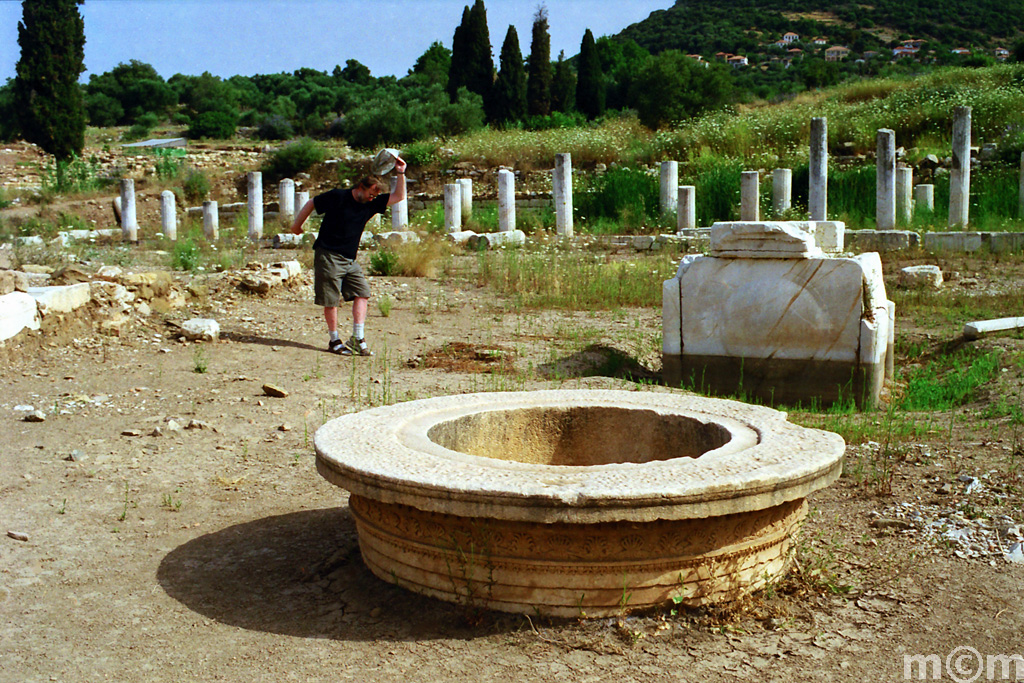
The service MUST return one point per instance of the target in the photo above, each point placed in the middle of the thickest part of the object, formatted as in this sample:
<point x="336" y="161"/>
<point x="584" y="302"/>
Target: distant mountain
<point x="709" y="26"/>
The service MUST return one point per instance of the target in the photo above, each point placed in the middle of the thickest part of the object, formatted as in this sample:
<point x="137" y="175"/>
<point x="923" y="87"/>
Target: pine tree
<point x="563" y="86"/>
<point x="509" y="100"/>
<point x="590" y="97"/>
<point x="50" y="106"/>
<point x="539" y="75"/>
<point x="457" y="69"/>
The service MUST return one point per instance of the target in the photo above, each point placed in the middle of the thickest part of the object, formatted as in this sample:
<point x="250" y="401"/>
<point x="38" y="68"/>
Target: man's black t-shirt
<point x="344" y="220"/>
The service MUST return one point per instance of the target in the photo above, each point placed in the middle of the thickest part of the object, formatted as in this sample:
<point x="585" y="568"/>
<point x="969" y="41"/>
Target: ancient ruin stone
<point x="576" y="503"/>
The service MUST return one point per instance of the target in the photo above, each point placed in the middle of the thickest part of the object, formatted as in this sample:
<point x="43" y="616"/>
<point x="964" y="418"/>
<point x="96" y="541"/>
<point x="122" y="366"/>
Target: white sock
<point x="357" y="330"/>
<point x="334" y="335"/>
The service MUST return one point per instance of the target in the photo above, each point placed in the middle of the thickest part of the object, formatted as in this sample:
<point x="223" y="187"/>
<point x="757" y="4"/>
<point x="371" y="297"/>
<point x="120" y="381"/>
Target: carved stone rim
<point x="385" y="454"/>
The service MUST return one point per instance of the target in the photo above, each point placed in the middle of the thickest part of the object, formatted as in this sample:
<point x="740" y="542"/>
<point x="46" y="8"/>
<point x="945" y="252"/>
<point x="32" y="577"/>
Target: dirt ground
<point x="167" y="524"/>
<point x="216" y="552"/>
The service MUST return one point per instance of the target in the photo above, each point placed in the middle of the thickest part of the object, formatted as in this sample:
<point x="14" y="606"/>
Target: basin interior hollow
<point x="579" y="436"/>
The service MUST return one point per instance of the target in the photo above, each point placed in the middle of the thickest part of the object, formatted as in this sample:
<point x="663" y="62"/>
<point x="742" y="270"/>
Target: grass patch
<point x="565" y="280"/>
<point x="950" y="381"/>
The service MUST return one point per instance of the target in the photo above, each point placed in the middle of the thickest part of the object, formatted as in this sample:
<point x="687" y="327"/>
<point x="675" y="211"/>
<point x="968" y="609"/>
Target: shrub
<point x="185" y="255"/>
<point x="142" y="126"/>
<point x="196" y="186"/>
<point x="275" y="127"/>
<point x="168" y="163"/>
<point x="292" y="159"/>
<point x="72" y="176"/>
<point x="630" y="196"/>
<point x="383" y="262"/>
<point x="213" y="124"/>
<point x="421" y="153"/>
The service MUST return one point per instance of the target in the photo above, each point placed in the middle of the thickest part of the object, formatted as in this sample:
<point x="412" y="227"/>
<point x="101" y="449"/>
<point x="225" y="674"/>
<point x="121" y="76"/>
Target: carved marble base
<point x="575" y="570"/>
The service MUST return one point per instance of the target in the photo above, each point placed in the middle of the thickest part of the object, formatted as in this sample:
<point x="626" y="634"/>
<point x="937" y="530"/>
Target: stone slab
<point x="980" y="328"/>
<point x="881" y="240"/>
<point x="921" y="277"/>
<point x="18" y="311"/>
<point x="763" y="239"/>
<point x="1006" y="242"/>
<point x="60" y="299"/>
<point x="968" y="242"/>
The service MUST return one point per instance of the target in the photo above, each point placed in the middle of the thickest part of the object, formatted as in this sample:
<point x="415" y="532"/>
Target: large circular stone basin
<point x="576" y="503"/>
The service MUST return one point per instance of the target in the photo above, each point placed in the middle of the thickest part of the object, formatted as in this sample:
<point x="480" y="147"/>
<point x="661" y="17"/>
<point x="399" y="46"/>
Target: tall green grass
<point x="559" y="279"/>
<point x="950" y="381"/>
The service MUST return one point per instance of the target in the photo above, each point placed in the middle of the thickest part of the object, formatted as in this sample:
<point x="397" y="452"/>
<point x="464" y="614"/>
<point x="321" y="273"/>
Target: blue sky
<point x="246" y="37"/>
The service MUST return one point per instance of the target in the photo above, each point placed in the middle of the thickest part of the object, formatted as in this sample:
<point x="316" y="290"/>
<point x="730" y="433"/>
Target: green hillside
<point x="710" y="26"/>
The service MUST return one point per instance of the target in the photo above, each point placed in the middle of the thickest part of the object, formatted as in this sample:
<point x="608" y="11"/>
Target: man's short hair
<point x="371" y="181"/>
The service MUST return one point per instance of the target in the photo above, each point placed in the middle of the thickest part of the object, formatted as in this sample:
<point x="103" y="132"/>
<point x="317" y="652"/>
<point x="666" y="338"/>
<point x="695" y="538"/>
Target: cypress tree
<point x="590" y="85"/>
<point x="49" y="102"/>
<point x="539" y="75"/>
<point x="563" y="86"/>
<point x="509" y="101"/>
<point x="479" y="61"/>
<point x="457" y="68"/>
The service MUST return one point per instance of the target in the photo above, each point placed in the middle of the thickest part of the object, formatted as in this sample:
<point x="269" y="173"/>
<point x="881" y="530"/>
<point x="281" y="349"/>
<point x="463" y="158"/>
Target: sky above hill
<point x="247" y="37"/>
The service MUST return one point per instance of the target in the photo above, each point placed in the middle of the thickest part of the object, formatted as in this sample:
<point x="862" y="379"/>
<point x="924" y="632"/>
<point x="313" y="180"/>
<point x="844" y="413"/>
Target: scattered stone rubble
<point x="954" y="520"/>
<point x="44" y="299"/>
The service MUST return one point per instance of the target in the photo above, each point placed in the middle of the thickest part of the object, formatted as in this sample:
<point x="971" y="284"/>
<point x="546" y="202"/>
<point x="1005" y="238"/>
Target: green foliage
<point x="355" y="72"/>
<point x="419" y="154"/>
<point x="509" y="95"/>
<point x="169" y="162"/>
<point x="383" y="262"/>
<point x="590" y="86"/>
<point x="275" y="127"/>
<point x="560" y="279"/>
<point x="457" y="64"/>
<point x="433" y="65"/>
<point x="8" y="113"/>
<point x="397" y="116"/>
<point x="126" y="93"/>
<point x="72" y="176"/>
<point x="49" y="102"/>
<point x="539" y="72"/>
<point x="142" y="127"/>
<point x="292" y="159"/>
<point x="479" y="63"/>
<point x="185" y="255"/>
<point x="625" y="195"/>
<point x="671" y="87"/>
<point x="717" y="183"/>
<point x="103" y="110"/>
<point x="196" y="186"/>
<point x="555" y="119"/>
<point x="563" y="86"/>
<point x="218" y="125"/>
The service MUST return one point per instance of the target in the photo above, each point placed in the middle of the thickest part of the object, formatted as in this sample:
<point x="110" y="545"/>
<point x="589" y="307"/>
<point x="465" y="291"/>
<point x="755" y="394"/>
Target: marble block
<point x="779" y="329"/>
<point x="18" y="311"/>
<point x="60" y="299"/>
<point x="762" y="239"/>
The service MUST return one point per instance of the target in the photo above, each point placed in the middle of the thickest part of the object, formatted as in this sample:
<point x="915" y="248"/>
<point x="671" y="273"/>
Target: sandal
<point x="336" y="346"/>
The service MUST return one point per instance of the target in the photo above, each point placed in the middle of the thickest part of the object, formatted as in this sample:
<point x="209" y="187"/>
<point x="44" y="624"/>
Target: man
<point x="336" y="274"/>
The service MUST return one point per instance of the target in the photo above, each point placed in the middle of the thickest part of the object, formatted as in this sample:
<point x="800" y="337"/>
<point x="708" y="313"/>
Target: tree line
<point x="446" y="92"/>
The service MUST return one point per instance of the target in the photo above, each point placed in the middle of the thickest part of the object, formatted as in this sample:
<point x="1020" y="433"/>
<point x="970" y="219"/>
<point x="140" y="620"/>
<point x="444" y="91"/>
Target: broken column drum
<point x="768" y="315"/>
<point x="576" y="503"/>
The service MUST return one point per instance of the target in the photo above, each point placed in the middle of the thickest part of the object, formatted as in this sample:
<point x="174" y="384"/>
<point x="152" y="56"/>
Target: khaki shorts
<point x="336" y="277"/>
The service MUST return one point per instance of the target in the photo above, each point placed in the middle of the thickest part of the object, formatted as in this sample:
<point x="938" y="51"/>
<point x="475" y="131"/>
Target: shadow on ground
<point x="269" y="341"/>
<point x="301" y="574"/>
<point x="598" y="360"/>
